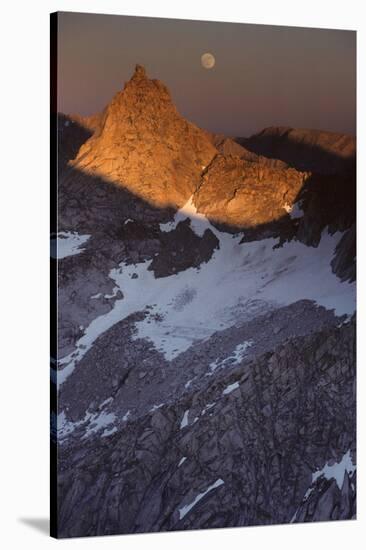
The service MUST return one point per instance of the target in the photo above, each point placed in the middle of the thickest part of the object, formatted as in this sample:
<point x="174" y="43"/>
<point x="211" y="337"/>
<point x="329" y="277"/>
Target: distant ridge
<point x="305" y="149"/>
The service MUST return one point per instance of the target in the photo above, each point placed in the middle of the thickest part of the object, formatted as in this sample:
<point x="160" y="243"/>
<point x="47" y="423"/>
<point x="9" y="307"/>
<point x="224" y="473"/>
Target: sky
<point x="263" y="76"/>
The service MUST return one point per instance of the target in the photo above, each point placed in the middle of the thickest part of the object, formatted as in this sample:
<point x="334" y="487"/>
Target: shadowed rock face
<point x="229" y="147"/>
<point x="314" y="150"/>
<point x="288" y="413"/>
<point x="91" y="123"/>
<point x="229" y="431"/>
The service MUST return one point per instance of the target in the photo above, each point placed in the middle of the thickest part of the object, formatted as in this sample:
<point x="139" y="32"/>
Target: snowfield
<point x="185" y="509"/>
<point x="195" y="303"/>
<point x="337" y="471"/>
<point x="67" y="243"/>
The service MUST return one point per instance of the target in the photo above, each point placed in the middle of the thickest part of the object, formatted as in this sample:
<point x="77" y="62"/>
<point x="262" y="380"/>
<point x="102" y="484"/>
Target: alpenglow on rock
<point x="143" y="144"/>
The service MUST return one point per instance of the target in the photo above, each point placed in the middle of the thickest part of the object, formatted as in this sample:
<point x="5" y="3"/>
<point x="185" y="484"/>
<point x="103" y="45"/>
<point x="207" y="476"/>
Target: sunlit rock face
<point x="143" y="144"/>
<point x="247" y="194"/>
<point x="140" y="142"/>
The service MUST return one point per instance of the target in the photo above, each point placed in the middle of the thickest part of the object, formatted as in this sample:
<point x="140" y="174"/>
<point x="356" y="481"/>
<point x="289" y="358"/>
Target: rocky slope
<point x="205" y="368"/>
<point x="243" y="450"/>
<point x="247" y="194"/>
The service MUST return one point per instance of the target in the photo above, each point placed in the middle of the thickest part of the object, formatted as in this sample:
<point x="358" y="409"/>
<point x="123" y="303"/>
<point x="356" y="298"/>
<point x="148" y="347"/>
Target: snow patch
<point x="97" y="422"/>
<point x="64" y="426"/>
<point x="188" y="507"/>
<point x="182" y="460"/>
<point x="208" y="407"/>
<point x="295" y="211"/>
<point x="92" y="421"/>
<point x="106" y="402"/>
<point x="198" y="222"/>
<point x="230" y="388"/>
<point x="184" y="421"/>
<point x="67" y="243"/>
<point x="111" y="431"/>
<point x="338" y="470"/>
<point x="155" y="407"/>
<point x="234" y="359"/>
<point x="126" y="416"/>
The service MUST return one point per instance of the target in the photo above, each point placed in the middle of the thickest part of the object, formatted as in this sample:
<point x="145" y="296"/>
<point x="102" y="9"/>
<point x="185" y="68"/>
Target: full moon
<point x="207" y="60"/>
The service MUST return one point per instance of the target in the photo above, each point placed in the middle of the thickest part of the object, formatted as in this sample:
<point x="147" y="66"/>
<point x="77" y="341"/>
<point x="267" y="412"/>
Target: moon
<point x="207" y="60"/>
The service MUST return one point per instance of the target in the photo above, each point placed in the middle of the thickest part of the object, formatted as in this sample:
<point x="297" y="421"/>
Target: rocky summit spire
<point x="140" y="72"/>
<point x="144" y="145"/>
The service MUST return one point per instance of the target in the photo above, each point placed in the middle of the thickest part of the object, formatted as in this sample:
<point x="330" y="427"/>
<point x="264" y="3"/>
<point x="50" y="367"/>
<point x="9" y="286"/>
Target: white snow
<point x="185" y="509"/>
<point x="67" y="243"/>
<point x="122" y="308"/>
<point x="345" y="322"/>
<point x="109" y="296"/>
<point x="97" y="422"/>
<point x="198" y="221"/>
<point x="338" y="470"/>
<point x="65" y="427"/>
<point x="111" y="431"/>
<point x="106" y="402"/>
<point x="294" y="210"/>
<point x="155" y="407"/>
<point x="208" y="407"/>
<point x="181" y="461"/>
<point x="93" y="422"/>
<point x="126" y="416"/>
<point x="230" y="388"/>
<point x="238" y="281"/>
<point x="240" y="350"/>
<point x="234" y="359"/>
<point x="184" y="421"/>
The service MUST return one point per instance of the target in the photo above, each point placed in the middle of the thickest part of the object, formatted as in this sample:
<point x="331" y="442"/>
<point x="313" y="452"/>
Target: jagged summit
<point x="140" y="72"/>
<point x="144" y="144"/>
<point x="141" y="143"/>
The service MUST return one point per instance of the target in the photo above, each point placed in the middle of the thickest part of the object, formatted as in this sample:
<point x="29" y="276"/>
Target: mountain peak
<point x="140" y="72"/>
<point x="146" y="146"/>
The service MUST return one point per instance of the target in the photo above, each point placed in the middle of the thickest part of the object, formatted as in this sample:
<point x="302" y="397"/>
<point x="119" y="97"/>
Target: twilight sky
<point x="263" y="76"/>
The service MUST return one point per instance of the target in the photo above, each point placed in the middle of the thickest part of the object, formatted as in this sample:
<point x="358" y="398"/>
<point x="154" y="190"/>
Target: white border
<point x="24" y="181"/>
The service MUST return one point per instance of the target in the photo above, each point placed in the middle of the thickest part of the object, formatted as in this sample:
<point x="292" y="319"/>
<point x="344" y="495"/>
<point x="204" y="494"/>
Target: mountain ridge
<point x="205" y="346"/>
<point x="142" y="143"/>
